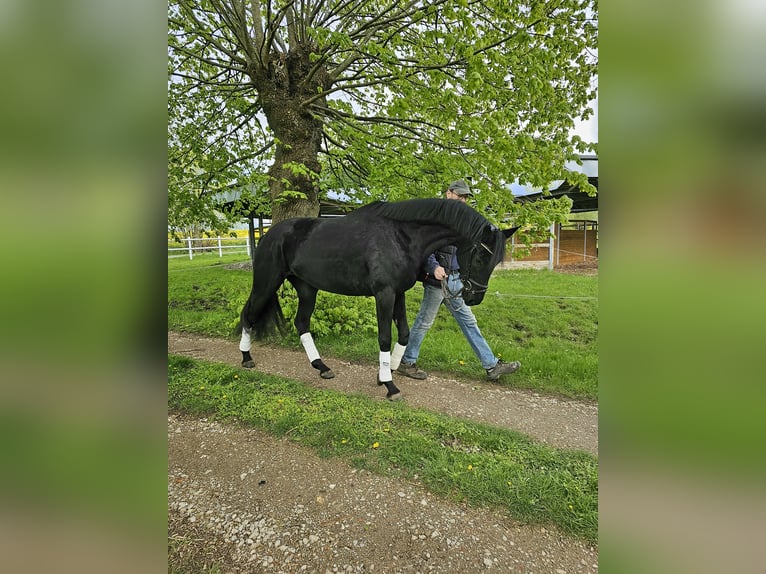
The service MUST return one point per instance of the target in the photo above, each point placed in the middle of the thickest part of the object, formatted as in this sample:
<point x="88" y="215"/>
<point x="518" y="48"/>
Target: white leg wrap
<point x="244" y="342"/>
<point x="385" y="367"/>
<point x="396" y="356"/>
<point x="308" y="344"/>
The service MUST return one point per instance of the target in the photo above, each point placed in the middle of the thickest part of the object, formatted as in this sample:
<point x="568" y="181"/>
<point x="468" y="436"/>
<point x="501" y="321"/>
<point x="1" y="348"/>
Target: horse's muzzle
<point x="472" y="299"/>
<point x="473" y="293"/>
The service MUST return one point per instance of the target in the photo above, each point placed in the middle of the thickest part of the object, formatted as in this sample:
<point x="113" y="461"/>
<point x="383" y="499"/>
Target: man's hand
<point x="440" y="273"/>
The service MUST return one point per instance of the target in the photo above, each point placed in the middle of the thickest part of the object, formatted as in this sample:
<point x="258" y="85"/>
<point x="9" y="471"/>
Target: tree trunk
<point x="284" y="182"/>
<point x="294" y="176"/>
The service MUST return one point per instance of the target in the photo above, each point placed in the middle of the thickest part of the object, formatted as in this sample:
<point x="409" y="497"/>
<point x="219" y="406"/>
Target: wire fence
<point x="191" y="245"/>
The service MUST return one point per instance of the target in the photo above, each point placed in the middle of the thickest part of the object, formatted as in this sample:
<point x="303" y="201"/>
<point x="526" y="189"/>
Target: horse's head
<point x="478" y="260"/>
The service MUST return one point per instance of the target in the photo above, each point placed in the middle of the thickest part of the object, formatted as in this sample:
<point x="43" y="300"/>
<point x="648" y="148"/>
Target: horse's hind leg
<point x="244" y="346"/>
<point x="307" y="296"/>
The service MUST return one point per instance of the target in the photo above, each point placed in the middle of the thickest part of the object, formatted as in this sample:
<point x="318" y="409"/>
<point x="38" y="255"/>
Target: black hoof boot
<point x="247" y="360"/>
<point x="393" y="394"/>
<point x="324" y="371"/>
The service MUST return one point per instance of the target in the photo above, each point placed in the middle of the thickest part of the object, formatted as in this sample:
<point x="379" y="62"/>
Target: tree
<point x="382" y="99"/>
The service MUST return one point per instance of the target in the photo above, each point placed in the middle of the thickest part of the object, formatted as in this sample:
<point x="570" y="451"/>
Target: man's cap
<point x="460" y="187"/>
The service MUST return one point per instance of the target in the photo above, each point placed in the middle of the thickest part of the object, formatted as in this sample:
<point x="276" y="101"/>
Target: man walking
<point x="442" y="266"/>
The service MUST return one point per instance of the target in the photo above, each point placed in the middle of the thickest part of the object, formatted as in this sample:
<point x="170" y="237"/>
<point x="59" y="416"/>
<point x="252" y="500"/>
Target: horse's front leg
<point x="384" y="305"/>
<point x="402" y="330"/>
<point x="307" y="297"/>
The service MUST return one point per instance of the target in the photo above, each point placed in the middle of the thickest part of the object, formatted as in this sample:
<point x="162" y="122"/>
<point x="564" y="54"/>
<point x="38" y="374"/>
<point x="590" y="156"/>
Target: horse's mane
<point x="453" y="214"/>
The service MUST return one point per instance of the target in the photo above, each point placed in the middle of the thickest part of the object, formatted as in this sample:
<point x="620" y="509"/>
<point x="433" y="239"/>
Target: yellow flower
<point x="223" y="396"/>
<point x="344" y="441"/>
<point x="470" y="467"/>
<point x="202" y="387"/>
<point x="375" y="445"/>
<point x="236" y="376"/>
<point x="461" y="362"/>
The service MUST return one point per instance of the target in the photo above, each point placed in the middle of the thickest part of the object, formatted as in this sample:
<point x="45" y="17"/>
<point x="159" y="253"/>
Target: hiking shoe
<point x="410" y="370"/>
<point x="502" y="368"/>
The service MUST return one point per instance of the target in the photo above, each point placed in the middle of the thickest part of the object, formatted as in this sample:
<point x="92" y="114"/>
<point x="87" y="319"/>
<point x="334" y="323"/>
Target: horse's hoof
<point x="248" y="364"/>
<point x="328" y="374"/>
<point x="395" y="396"/>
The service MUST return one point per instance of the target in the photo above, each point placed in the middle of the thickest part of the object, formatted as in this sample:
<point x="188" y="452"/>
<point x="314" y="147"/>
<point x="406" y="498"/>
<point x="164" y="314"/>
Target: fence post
<point x="247" y="242"/>
<point x="220" y="253"/>
<point x="551" y="243"/>
<point x="191" y="255"/>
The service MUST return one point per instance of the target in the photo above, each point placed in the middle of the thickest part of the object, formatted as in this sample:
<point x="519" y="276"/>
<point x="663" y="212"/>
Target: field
<point x="546" y="320"/>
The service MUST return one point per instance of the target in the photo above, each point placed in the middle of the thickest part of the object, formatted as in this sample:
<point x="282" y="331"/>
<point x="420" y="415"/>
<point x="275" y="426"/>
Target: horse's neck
<point x="427" y="238"/>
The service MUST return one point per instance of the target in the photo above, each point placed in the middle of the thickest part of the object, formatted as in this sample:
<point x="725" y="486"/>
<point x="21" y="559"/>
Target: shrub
<point x="333" y="314"/>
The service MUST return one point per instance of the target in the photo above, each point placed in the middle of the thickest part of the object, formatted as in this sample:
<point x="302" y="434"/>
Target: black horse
<point x="377" y="250"/>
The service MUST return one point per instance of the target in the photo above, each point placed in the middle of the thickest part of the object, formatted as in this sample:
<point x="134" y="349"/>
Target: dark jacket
<point x="445" y="257"/>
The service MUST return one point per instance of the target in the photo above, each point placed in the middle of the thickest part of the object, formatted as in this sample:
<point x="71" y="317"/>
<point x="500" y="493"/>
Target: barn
<point x="573" y="243"/>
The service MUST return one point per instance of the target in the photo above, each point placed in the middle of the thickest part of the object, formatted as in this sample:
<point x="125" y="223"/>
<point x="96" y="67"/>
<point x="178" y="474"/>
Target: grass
<point x="459" y="460"/>
<point x="546" y="320"/>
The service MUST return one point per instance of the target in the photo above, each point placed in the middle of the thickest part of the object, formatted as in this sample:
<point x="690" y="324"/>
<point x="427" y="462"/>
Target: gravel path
<point x="253" y="503"/>
<point x="554" y="421"/>
<point x="248" y="502"/>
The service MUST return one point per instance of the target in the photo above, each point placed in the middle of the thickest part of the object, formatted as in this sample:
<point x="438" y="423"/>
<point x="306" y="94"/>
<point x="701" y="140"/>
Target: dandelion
<point x="386" y="430"/>
<point x="470" y="467"/>
<point x="223" y="396"/>
<point x="461" y="362"/>
<point x="236" y="376"/>
<point x="344" y="441"/>
<point x="375" y="445"/>
<point x="202" y="387"/>
<point x="571" y="507"/>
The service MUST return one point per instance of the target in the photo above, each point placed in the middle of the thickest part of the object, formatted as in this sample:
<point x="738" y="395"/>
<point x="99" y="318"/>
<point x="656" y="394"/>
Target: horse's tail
<point x="262" y="312"/>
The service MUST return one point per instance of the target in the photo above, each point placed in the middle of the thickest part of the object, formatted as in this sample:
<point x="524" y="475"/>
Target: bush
<point x="333" y="314"/>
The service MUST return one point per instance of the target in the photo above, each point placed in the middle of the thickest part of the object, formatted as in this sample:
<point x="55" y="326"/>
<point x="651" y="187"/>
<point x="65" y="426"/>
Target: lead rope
<point x="446" y="293"/>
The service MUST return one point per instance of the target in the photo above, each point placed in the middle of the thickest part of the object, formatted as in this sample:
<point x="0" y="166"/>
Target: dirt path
<point x="248" y="502"/>
<point x="554" y="421"/>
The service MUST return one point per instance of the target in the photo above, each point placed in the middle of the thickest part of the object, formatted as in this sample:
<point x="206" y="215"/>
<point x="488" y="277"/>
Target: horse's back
<point x="343" y="255"/>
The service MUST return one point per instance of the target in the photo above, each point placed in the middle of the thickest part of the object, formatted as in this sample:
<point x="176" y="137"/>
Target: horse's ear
<point x="509" y="232"/>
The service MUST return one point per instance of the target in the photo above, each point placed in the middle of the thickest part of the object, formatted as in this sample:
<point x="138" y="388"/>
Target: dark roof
<point x="249" y="208"/>
<point x="581" y="201"/>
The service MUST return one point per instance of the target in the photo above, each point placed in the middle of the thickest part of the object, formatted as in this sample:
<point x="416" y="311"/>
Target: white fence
<point x="210" y="244"/>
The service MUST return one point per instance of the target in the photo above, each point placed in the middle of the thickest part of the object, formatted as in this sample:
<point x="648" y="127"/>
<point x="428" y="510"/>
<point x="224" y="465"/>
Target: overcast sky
<point x="588" y="130"/>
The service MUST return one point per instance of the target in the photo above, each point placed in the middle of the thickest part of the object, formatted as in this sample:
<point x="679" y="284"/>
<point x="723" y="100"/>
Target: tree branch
<point x="209" y="37"/>
<point x="260" y="38"/>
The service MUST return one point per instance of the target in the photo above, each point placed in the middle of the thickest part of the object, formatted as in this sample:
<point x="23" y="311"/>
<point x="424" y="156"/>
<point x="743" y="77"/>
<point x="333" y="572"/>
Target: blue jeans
<point x="432" y="299"/>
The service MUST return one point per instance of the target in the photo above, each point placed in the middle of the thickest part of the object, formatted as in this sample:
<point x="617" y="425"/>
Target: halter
<point x="469" y="285"/>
